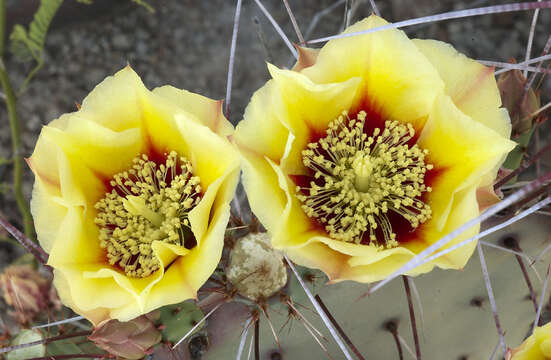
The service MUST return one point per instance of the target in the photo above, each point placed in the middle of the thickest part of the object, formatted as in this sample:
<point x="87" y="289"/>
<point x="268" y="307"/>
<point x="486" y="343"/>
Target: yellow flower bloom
<point x="131" y="197"/>
<point x="371" y="149"/>
<point x="536" y="347"/>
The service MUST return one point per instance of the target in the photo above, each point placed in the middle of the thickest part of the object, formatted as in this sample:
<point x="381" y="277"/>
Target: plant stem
<point x="33" y="248"/>
<point x="256" y="339"/>
<point x="523" y="166"/>
<point x="392" y="327"/>
<point x="11" y="102"/>
<point x="2" y="26"/>
<point x="528" y="282"/>
<point x="412" y="318"/>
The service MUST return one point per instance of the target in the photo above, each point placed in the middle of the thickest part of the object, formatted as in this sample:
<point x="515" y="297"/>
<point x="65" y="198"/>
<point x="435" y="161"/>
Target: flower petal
<point x="47" y="228"/>
<point x="77" y="240"/>
<point x="61" y="284"/>
<point x="471" y="85"/>
<point x="464" y="151"/>
<point x="261" y="184"/>
<point x="261" y="131"/>
<point x="309" y="109"/>
<point x="214" y="160"/>
<point x="399" y="80"/>
<point x="115" y="103"/>
<point x="319" y="256"/>
<point x="202" y="109"/>
<point x="104" y="151"/>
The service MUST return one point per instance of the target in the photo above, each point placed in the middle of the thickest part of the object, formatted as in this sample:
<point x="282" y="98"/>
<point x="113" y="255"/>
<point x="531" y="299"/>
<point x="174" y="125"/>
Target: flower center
<point x="149" y="202"/>
<point x="358" y="180"/>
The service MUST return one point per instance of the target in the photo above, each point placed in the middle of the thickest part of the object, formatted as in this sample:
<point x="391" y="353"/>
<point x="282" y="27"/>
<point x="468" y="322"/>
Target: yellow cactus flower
<point x="536" y="347"/>
<point x="370" y="149"/>
<point x="131" y="197"/>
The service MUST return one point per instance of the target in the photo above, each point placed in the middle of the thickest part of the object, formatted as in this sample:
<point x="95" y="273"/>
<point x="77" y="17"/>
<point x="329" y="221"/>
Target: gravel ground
<point x="186" y="43"/>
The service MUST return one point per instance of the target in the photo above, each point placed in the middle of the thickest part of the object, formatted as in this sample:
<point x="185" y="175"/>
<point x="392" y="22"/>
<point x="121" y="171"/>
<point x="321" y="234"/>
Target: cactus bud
<point x="130" y="340"/>
<point x="25" y="289"/>
<point x="256" y="270"/>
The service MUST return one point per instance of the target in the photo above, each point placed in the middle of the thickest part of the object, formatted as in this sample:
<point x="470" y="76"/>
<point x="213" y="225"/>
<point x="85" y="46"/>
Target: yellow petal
<point x="47" y="227"/>
<point x="261" y="131"/>
<point x="293" y="227"/>
<point x="471" y="85"/>
<point x="463" y="209"/>
<point x="262" y="186"/>
<point x="382" y="268"/>
<point x="309" y="108"/>
<point x="43" y="161"/>
<point x="317" y="255"/>
<point x="202" y="109"/>
<point x="210" y="154"/>
<point x="90" y="293"/>
<point x="104" y="151"/>
<point x="115" y="103"/>
<point x="76" y="242"/>
<point x="464" y="151"/>
<point x="200" y="263"/>
<point x="61" y="284"/>
<point x="399" y="81"/>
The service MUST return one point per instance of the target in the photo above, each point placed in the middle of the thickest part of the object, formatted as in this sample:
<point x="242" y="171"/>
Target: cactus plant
<point x="254" y="304"/>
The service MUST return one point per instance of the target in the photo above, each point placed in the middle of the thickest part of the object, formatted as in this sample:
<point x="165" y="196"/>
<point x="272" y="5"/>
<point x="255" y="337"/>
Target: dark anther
<point x="276" y="356"/>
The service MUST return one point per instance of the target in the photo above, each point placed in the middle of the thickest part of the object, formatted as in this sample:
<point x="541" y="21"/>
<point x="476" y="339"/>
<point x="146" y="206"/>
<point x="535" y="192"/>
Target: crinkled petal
<point x="201" y="109"/>
<point x="47" y="228"/>
<point x="261" y="132"/>
<point x="213" y="159"/>
<point x="115" y="103"/>
<point x="261" y="183"/>
<point x="309" y="109"/>
<point x="461" y="149"/>
<point x="399" y="81"/>
<point x="471" y="85"/>
<point x="61" y="284"/>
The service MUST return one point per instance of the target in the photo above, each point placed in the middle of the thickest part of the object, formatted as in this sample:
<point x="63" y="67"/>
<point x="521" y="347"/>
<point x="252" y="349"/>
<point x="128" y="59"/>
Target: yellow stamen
<point x="149" y="202"/>
<point x="359" y="179"/>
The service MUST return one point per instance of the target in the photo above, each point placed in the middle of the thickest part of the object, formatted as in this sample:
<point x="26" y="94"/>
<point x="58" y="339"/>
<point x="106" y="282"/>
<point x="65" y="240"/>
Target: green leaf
<point x="179" y="319"/>
<point x="24" y="337"/>
<point x="27" y="45"/>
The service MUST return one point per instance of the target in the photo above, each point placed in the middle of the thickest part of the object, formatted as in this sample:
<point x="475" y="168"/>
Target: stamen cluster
<point x="358" y="180"/>
<point x="148" y="203"/>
